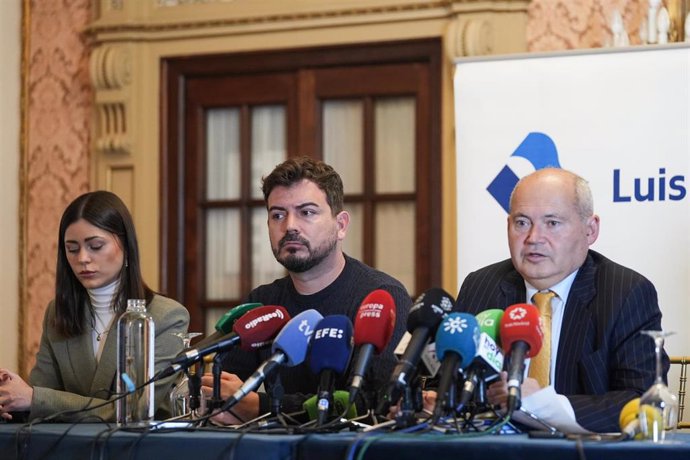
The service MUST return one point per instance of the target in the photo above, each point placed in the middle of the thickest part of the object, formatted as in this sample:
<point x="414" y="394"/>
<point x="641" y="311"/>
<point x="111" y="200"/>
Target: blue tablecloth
<point x="97" y="441"/>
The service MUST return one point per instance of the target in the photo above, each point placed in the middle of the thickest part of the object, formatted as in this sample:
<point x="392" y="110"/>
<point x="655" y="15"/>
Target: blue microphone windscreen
<point x="331" y="345"/>
<point x="458" y="332"/>
<point x="293" y="340"/>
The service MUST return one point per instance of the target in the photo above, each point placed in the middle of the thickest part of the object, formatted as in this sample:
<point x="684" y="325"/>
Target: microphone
<point x="331" y="348"/>
<point x="289" y="348"/>
<point x="224" y="324"/>
<point x="522" y="337"/>
<point x="489" y="359"/>
<point x="456" y="344"/>
<point x="374" y="326"/>
<point x="253" y="330"/>
<point x="630" y="421"/>
<point x="425" y="316"/>
<point x="340" y="403"/>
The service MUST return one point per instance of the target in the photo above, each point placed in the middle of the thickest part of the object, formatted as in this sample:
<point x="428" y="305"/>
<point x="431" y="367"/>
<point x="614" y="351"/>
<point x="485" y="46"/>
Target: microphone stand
<point x="274" y="418"/>
<point x="478" y="403"/>
<point x="410" y="403"/>
<point x="216" y="401"/>
<point x="194" y="386"/>
<point x="368" y="396"/>
<point x="277" y="392"/>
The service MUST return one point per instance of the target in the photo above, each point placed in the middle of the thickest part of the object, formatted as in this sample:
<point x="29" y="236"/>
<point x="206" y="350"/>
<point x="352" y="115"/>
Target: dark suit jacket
<point x="603" y="361"/>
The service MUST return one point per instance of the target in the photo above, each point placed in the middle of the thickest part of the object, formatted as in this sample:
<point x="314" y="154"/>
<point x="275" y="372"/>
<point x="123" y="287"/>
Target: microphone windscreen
<point x="521" y="322"/>
<point x="429" y="309"/>
<point x="259" y="326"/>
<point x="375" y="320"/>
<point x="340" y="402"/>
<point x="490" y="323"/>
<point x="331" y="345"/>
<point x="459" y="333"/>
<point x="225" y="323"/>
<point x="293" y="340"/>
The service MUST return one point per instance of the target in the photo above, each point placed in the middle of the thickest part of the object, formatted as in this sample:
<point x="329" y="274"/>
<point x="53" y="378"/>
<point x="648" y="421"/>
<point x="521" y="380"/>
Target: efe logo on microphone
<point x="329" y="332"/>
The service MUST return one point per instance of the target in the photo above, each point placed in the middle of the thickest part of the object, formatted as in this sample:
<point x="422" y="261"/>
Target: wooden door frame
<point x="176" y="72"/>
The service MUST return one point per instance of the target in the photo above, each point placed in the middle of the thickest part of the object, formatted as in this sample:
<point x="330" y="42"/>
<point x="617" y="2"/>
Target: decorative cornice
<point x="432" y="9"/>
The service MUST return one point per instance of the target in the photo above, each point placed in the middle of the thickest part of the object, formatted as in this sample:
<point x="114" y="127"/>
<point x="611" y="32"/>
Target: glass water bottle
<point x="135" y="365"/>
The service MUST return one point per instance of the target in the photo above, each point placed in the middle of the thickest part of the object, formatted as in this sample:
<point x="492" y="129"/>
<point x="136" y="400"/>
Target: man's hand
<point x="497" y="393"/>
<point x="428" y="404"/>
<point x="246" y="409"/>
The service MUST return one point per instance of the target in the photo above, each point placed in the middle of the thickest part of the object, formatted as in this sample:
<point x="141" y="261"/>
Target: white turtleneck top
<point x="104" y="316"/>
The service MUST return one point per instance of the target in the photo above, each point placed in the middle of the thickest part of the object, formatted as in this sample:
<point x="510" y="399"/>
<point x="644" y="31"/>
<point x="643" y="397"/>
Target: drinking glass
<point x="658" y="406"/>
<point x="179" y="395"/>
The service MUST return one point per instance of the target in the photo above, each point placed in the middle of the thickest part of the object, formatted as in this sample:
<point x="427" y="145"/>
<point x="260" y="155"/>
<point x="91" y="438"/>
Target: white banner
<point x="620" y="119"/>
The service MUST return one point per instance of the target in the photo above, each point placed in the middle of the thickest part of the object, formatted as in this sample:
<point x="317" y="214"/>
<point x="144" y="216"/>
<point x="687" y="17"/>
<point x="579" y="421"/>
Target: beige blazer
<point x="67" y="376"/>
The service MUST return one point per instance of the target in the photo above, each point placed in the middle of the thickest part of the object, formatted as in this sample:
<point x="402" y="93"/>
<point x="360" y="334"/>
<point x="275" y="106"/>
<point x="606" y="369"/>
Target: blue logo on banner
<point x="539" y="150"/>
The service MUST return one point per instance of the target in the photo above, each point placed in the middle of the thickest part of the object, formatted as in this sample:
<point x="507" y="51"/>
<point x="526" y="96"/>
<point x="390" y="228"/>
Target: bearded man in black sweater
<point x="307" y="225"/>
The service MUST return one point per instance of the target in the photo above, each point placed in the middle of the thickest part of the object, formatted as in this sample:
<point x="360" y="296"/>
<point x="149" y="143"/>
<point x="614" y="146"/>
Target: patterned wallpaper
<point x="58" y="115"/>
<point x="58" y="112"/>
<point x="572" y="24"/>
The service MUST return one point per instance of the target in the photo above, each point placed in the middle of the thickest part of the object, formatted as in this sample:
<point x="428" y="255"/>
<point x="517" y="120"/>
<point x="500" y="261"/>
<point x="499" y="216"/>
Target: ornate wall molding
<point x="477" y="38"/>
<point x="111" y="74"/>
<point x="197" y="18"/>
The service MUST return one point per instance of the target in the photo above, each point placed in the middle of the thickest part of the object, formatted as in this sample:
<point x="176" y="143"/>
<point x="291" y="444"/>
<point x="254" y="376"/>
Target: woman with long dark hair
<point x="98" y="269"/>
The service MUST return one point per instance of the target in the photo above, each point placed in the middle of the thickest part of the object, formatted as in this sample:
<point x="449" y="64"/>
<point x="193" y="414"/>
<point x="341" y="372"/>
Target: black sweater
<point x="342" y="297"/>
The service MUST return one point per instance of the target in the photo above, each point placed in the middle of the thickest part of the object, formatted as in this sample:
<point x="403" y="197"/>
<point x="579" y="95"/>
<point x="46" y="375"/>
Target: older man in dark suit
<point x="598" y="358"/>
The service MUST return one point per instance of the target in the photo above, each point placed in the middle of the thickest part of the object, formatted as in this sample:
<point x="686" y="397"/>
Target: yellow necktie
<point x="540" y="366"/>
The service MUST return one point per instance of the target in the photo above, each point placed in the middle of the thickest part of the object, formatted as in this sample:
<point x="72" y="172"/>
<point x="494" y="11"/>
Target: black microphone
<point x="331" y="349"/>
<point x="425" y="315"/>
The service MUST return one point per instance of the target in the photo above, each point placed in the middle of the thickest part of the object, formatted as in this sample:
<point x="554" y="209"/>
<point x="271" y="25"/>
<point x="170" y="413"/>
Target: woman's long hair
<point x="106" y="211"/>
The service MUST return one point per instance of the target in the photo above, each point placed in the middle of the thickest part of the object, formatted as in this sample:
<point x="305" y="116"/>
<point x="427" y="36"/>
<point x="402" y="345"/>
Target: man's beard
<point x="296" y="264"/>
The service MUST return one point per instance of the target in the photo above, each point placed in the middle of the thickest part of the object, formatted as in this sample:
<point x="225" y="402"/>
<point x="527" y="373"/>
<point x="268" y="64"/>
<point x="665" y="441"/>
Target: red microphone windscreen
<point x="259" y="326"/>
<point x="375" y="320"/>
<point x="521" y="322"/>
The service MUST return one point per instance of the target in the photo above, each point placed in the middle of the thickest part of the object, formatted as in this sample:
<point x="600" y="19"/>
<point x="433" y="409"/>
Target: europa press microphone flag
<point x="373" y="329"/>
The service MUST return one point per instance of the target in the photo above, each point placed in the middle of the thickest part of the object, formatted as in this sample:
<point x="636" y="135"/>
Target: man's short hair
<point x="294" y="170"/>
<point x="584" y="202"/>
